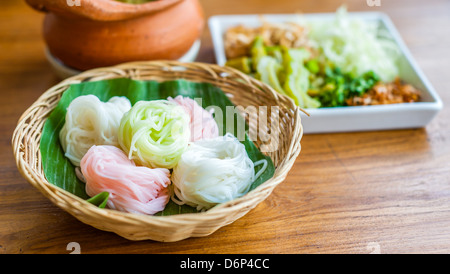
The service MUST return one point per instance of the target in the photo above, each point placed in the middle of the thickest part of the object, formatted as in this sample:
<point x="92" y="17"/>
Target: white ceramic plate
<point x="354" y="118"/>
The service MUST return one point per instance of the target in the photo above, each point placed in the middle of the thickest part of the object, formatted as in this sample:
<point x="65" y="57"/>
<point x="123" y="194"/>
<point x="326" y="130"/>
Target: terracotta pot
<point x="99" y="33"/>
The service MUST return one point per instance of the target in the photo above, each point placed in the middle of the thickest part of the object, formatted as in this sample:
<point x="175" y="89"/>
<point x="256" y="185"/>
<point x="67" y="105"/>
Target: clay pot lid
<point x="100" y="10"/>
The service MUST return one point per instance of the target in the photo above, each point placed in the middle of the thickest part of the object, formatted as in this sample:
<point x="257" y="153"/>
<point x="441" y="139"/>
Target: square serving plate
<point x="352" y="118"/>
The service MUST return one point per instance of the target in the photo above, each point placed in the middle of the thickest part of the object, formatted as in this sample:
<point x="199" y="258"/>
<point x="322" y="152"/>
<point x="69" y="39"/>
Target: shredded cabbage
<point x="356" y="46"/>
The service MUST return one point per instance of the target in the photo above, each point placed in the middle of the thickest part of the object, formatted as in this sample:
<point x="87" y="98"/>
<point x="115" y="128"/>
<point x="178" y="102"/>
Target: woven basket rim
<point x="31" y="174"/>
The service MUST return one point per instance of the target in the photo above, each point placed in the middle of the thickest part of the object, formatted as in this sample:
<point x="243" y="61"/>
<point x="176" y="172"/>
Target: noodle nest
<point x="155" y="133"/>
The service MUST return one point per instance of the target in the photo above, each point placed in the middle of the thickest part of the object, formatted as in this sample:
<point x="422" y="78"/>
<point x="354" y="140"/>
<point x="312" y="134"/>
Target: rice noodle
<point x="213" y="171"/>
<point x="134" y="189"/>
<point x="155" y="133"/>
<point x="202" y="123"/>
<point x="89" y="122"/>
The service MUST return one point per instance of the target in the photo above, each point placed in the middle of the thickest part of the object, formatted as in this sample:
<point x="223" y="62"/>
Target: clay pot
<point x="98" y="33"/>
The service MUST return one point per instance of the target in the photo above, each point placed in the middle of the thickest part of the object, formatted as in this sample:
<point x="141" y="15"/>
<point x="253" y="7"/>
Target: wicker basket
<point x="242" y="90"/>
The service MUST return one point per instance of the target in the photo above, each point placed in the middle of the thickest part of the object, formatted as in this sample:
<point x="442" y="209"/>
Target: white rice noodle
<point x="89" y="122"/>
<point x="213" y="171"/>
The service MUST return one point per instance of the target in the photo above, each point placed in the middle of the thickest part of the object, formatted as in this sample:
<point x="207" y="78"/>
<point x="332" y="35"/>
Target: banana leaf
<point x="60" y="171"/>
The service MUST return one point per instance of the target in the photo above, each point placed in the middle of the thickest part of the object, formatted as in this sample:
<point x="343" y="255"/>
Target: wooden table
<point x="386" y="191"/>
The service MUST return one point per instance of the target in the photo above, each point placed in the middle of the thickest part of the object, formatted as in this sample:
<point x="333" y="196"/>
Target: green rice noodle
<point x="155" y="133"/>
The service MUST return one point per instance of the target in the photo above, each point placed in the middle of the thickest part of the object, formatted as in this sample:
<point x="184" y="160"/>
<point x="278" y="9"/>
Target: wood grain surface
<point x="364" y="192"/>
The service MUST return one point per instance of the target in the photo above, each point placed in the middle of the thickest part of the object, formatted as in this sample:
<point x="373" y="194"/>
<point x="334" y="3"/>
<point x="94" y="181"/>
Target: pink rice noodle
<point x="134" y="189"/>
<point x="202" y="123"/>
